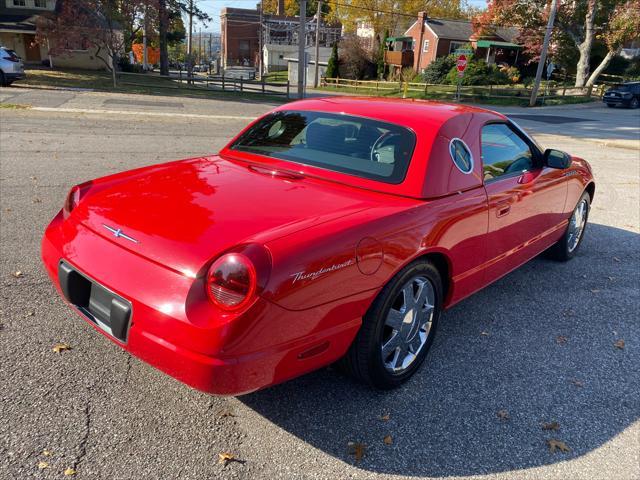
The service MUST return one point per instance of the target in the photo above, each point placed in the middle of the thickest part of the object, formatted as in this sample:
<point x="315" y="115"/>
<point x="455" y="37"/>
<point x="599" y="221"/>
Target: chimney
<point x="280" y="7"/>
<point x="422" y="16"/>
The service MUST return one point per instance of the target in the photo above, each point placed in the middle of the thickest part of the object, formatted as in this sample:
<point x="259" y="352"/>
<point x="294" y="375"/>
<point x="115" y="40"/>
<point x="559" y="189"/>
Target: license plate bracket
<point x="109" y="311"/>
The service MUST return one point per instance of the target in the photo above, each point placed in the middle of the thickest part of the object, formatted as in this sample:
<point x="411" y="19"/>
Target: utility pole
<point x="260" y="52"/>
<point x="145" y="58"/>
<point x="190" y="44"/>
<point x="302" y="43"/>
<point x="200" y="47"/>
<point x="543" y="53"/>
<point x="318" y="18"/>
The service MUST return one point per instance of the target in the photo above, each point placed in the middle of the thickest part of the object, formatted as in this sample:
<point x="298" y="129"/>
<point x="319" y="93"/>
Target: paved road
<point x="110" y="416"/>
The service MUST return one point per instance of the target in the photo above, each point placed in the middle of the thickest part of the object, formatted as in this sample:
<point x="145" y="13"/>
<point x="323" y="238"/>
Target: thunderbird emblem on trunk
<point x="117" y="232"/>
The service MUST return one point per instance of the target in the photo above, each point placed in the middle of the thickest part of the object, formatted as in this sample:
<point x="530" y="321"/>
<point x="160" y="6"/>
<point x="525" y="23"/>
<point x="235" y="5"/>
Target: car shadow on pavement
<point x="536" y="347"/>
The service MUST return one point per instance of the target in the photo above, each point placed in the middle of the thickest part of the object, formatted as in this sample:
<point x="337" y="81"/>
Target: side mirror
<point x="556" y="159"/>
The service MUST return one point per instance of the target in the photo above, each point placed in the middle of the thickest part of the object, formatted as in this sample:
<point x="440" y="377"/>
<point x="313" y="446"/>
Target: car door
<point x="525" y="199"/>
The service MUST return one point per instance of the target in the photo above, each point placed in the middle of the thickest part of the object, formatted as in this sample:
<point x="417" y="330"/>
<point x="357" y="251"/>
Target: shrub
<point x="356" y="62"/>
<point x="437" y="70"/>
<point x="408" y="74"/>
<point x="478" y="72"/>
<point x="332" y="64"/>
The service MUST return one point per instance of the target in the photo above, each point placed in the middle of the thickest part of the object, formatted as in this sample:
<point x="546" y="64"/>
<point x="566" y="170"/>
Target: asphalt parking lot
<point x="537" y="347"/>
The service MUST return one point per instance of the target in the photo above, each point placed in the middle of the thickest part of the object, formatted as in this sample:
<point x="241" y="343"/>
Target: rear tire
<point x="610" y="105"/>
<point x="2" y="80"/>
<point x="568" y="245"/>
<point x="635" y="103"/>
<point x="384" y="356"/>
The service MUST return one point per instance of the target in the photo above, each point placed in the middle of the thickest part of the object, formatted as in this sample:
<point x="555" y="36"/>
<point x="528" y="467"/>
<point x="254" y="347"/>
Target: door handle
<point x="502" y="210"/>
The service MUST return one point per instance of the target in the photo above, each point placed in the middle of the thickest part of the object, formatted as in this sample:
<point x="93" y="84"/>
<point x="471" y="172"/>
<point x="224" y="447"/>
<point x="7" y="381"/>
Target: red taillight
<point x="72" y="200"/>
<point x="231" y="281"/>
<point x="74" y="196"/>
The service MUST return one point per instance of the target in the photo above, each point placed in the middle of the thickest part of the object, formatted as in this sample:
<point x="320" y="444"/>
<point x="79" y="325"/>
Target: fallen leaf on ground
<point x="37" y="200"/>
<point x="388" y="440"/>
<point x="619" y="344"/>
<point x="17" y="274"/>
<point x="357" y="449"/>
<point x="551" y="426"/>
<point x="227" y="413"/>
<point x="60" y="347"/>
<point x="554" y="445"/>
<point x="46" y="453"/>
<point x="616" y="259"/>
<point x="577" y="383"/>
<point x="503" y="415"/>
<point x="30" y="314"/>
<point x="484" y="334"/>
<point x="43" y="465"/>
<point x="69" y="471"/>
<point x="611" y="279"/>
<point x="569" y="313"/>
<point x="561" y="339"/>
<point x="594" y="290"/>
<point x="385" y="417"/>
<point x="225" y="457"/>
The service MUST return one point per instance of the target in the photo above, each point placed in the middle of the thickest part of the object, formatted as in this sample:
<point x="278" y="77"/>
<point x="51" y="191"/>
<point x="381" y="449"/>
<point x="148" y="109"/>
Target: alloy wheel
<point x="576" y="225"/>
<point x="408" y="324"/>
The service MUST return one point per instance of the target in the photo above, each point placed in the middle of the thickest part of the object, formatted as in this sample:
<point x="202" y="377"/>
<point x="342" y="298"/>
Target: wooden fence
<point x="181" y="81"/>
<point x="376" y="87"/>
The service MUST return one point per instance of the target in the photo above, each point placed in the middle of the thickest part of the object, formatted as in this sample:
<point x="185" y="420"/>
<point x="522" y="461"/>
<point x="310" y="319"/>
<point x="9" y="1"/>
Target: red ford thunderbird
<point x="329" y="229"/>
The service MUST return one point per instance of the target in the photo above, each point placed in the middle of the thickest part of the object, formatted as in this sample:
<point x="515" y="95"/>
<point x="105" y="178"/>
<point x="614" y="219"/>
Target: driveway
<point x="537" y="347"/>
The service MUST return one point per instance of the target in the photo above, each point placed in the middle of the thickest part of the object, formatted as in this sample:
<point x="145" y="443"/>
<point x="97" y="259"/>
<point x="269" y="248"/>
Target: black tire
<point x="562" y="250"/>
<point x="2" y="80"/>
<point x="610" y="105"/>
<point x="364" y="360"/>
<point x="634" y="103"/>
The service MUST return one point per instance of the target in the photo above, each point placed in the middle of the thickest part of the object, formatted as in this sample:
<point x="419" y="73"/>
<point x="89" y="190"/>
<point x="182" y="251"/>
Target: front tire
<point x="568" y="245"/>
<point x="398" y="329"/>
<point x="634" y="103"/>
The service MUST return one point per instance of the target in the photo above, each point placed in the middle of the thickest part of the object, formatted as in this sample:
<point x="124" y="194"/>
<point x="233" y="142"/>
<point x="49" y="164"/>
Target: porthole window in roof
<point x="461" y="155"/>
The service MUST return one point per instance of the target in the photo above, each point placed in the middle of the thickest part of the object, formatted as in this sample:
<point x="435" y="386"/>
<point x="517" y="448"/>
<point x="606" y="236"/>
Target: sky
<point x="213" y="7"/>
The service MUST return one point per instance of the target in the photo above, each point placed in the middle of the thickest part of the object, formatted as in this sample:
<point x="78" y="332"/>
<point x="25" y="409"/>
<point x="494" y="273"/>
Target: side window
<point x="503" y="152"/>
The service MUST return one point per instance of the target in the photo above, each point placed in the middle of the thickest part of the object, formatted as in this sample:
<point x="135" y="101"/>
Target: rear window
<point x="357" y="146"/>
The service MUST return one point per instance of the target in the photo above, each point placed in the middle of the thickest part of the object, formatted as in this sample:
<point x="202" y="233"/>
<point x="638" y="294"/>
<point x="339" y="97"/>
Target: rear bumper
<point x="175" y="329"/>
<point x="15" y="76"/>
<point x="617" y="101"/>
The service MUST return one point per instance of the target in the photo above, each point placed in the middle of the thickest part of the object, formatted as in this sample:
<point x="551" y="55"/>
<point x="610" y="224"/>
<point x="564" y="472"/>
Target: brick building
<point x="434" y="37"/>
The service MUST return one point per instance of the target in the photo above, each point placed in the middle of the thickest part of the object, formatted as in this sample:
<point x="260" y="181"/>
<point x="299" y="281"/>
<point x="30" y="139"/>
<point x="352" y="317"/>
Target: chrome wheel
<point x="576" y="225"/>
<point x="408" y="324"/>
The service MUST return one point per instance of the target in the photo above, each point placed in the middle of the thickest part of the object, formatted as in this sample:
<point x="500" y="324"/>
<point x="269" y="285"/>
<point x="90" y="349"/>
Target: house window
<point x="19" y="3"/>
<point x="425" y="46"/>
<point x="40" y="3"/>
<point x="453" y="46"/>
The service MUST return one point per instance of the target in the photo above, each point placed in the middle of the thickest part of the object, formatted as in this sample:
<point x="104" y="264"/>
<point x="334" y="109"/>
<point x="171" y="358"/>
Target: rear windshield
<point x="626" y="87"/>
<point x="357" y="146"/>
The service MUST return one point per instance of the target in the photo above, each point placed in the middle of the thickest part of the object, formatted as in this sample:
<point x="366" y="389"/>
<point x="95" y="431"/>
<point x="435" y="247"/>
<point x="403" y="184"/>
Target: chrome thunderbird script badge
<point x="117" y="232"/>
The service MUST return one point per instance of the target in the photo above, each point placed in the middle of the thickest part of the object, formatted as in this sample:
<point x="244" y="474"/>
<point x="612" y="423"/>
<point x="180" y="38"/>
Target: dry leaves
<point x="561" y="339"/>
<point x="577" y="383"/>
<point x="30" y="313"/>
<point x="61" y="347"/>
<point x="225" y="457"/>
<point x="595" y="290"/>
<point x="69" y="471"/>
<point x="226" y="413"/>
<point x="388" y="440"/>
<point x="357" y="450"/>
<point x="484" y="334"/>
<point x="18" y="274"/>
<point x="617" y="259"/>
<point x="43" y="465"/>
<point x="619" y="344"/>
<point x="554" y="445"/>
<point x="46" y="453"/>
<point x="551" y="426"/>
<point x="503" y="415"/>
<point x="385" y="417"/>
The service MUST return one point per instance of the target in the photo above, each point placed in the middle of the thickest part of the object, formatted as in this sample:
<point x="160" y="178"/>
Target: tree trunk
<point x="113" y="70"/>
<point x="163" y="21"/>
<point x="582" y="69"/>
<point x="603" y="64"/>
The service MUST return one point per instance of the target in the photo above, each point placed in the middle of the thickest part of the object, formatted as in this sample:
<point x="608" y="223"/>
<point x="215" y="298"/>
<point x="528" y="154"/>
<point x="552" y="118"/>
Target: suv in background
<point x="11" y="67"/>
<point x="626" y="94"/>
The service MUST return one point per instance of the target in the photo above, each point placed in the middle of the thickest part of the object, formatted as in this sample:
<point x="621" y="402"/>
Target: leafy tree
<point x="100" y="24"/>
<point x="381" y="66"/>
<point x="579" y="24"/>
<point x="332" y="64"/>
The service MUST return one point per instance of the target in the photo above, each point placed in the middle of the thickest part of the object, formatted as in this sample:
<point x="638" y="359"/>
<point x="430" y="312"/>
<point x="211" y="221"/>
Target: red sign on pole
<point x="461" y="63"/>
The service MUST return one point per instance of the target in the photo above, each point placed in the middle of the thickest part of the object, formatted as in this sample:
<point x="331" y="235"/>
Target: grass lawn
<point x="277" y="77"/>
<point x="447" y="93"/>
<point x="149" y="84"/>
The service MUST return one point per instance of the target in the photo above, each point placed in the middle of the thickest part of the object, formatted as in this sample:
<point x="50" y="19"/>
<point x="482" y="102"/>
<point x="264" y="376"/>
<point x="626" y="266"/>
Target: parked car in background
<point x="626" y="94"/>
<point x="11" y="67"/>
<point x="328" y="229"/>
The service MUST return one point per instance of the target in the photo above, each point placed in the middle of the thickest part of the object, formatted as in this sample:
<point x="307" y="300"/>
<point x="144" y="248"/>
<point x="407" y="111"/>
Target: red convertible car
<point x="329" y="229"/>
